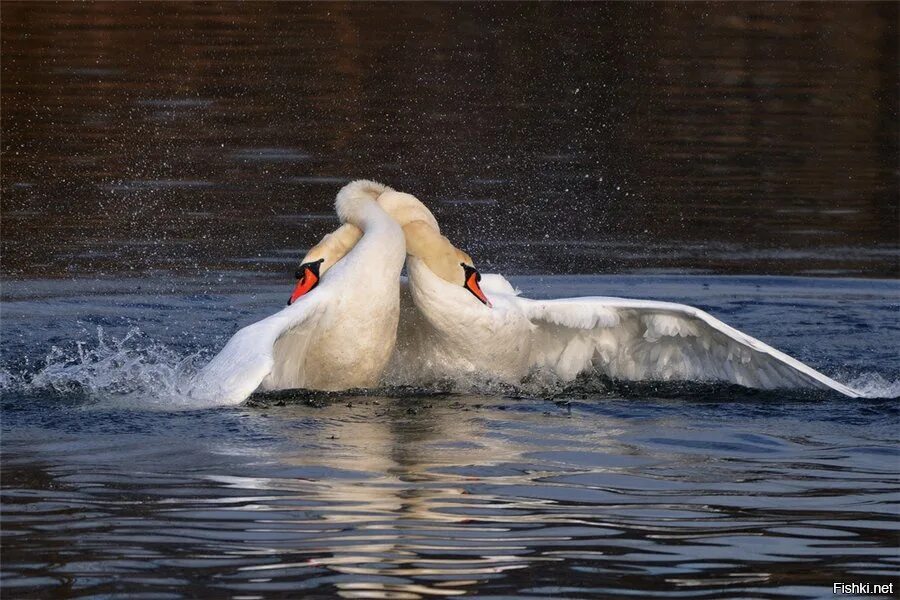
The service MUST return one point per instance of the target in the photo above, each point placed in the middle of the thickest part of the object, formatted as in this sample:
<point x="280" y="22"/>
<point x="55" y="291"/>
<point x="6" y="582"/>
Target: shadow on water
<point x="594" y="386"/>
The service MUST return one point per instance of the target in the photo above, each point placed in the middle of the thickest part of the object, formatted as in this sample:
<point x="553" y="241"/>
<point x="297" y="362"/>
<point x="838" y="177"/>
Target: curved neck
<point x="359" y="214"/>
<point x="434" y="250"/>
<point x="369" y="217"/>
<point x="356" y="204"/>
<point x="382" y="239"/>
<point x="405" y="208"/>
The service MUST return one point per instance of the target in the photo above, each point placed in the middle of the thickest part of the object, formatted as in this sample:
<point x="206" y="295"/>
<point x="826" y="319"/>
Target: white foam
<point x="135" y="371"/>
<point x="132" y="371"/>
<point x="875" y="385"/>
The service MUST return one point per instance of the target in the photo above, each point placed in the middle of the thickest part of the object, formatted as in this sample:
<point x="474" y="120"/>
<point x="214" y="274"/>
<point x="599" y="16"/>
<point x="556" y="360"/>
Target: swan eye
<point x="471" y="279"/>
<point x="308" y="278"/>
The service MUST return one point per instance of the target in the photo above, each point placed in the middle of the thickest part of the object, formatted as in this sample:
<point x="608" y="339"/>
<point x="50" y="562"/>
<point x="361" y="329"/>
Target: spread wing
<point x="646" y="340"/>
<point x="251" y="355"/>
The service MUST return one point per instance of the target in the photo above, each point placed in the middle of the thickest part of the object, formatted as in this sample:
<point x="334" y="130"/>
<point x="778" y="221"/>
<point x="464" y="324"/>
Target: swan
<point x="339" y="328"/>
<point x="457" y="322"/>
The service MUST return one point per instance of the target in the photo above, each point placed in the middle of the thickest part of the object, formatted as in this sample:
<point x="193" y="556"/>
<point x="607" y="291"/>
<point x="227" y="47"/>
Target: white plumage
<point x="634" y="340"/>
<point x="339" y="335"/>
<point x="344" y="333"/>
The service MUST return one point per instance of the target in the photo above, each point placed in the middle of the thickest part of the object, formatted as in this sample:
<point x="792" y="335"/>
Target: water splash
<point x="132" y="370"/>
<point x="875" y="385"/>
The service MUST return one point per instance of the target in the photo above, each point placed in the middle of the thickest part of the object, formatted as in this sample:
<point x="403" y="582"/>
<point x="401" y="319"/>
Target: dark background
<point x="548" y="138"/>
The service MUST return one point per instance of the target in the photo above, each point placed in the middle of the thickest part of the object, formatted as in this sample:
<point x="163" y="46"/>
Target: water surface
<point x="114" y="483"/>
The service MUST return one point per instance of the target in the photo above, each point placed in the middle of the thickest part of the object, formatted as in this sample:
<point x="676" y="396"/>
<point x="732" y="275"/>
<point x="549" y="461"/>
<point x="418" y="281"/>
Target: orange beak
<point x="472" y="285"/>
<point x="307" y="282"/>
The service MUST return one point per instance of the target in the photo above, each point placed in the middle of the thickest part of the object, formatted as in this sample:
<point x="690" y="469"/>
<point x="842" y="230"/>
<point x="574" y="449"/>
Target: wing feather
<point x="494" y="283"/>
<point x="642" y="339"/>
<point x="248" y="358"/>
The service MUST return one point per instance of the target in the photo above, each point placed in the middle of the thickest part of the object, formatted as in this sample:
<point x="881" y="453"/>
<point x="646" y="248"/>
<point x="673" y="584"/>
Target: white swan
<point x="456" y="322"/>
<point x="339" y="328"/>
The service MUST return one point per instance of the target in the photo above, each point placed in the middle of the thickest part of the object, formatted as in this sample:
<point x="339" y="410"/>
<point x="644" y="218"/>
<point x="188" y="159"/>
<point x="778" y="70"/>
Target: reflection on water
<point x="598" y="490"/>
<point x="730" y="137"/>
<point x="375" y="497"/>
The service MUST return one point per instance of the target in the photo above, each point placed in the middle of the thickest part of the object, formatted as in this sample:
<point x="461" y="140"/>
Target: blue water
<point x="114" y="483"/>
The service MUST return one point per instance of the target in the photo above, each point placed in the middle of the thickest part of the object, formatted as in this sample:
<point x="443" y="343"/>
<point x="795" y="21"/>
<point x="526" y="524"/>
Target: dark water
<point x="163" y="166"/>
<point x="548" y="138"/>
<point x="114" y="484"/>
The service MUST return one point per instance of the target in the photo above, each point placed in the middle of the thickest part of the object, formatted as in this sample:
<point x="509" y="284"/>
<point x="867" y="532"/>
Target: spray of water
<point x="132" y="370"/>
<point x="138" y="372"/>
<point x="875" y="385"/>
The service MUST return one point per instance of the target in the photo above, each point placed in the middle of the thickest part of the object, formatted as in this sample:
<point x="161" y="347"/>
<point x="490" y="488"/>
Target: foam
<point x="131" y="371"/>
<point x="875" y="385"/>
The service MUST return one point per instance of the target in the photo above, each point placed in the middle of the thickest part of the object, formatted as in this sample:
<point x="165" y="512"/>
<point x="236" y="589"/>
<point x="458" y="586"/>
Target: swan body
<point x="449" y="330"/>
<point x="338" y="335"/>
<point x="450" y="336"/>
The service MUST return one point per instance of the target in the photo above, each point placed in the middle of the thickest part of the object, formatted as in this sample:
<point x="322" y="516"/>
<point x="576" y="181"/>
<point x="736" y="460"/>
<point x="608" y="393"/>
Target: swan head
<point x="350" y="203"/>
<point x="443" y="258"/>
<point x="321" y="257"/>
<point x="424" y="240"/>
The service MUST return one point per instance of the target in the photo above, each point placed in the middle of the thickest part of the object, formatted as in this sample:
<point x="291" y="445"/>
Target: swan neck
<point x="369" y="217"/>
<point x="356" y="204"/>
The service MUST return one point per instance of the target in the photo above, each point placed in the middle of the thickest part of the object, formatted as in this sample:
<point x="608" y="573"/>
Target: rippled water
<point x="113" y="483"/>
